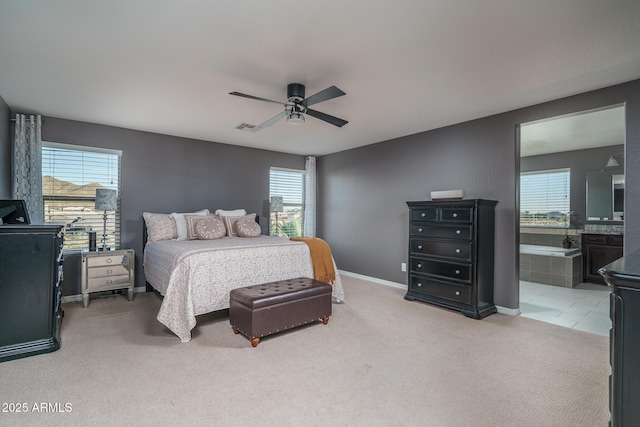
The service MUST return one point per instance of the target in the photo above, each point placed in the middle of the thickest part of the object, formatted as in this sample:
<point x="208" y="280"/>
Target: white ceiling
<point x="407" y="66"/>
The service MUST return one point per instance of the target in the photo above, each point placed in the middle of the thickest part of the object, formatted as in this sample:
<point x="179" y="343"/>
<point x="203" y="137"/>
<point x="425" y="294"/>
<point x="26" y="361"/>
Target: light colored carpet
<point x="381" y="361"/>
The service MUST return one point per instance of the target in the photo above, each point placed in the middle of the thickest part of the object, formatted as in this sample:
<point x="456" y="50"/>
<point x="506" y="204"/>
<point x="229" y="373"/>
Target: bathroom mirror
<point x="605" y="195"/>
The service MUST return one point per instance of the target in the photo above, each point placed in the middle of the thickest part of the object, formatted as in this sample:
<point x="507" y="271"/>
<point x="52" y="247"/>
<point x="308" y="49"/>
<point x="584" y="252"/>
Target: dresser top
<point x="449" y="202"/>
<point x="626" y="268"/>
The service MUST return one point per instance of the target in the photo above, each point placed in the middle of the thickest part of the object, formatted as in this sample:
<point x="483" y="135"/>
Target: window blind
<point x="288" y="184"/>
<point x="545" y="198"/>
<point x="70" y="176"/>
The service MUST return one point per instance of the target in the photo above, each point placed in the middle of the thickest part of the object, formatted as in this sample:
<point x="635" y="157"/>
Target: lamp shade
<point x="276" y="204"/>
<point x="106" y="199"/>
<point x="612" y="163"/>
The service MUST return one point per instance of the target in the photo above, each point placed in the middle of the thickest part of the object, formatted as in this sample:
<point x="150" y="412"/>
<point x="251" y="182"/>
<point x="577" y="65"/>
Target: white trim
<point x="64" y="146"/>
<point x="78" y="297"/>
<point x="373" y="279"/>
<point x="508" y="311"/>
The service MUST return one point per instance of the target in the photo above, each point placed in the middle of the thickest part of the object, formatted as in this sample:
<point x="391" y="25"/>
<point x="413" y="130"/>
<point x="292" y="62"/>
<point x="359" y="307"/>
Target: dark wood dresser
<point x="623" y="276"/>
<point x="451" y="255"/>
<point x="30" y="289"/>
<point x="599" y="250"/>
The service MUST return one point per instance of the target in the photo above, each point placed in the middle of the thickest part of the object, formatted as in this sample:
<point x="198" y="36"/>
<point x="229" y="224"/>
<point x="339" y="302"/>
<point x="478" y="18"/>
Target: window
<point x="70" y="176"/>
<point x="288" y="184"/>
<point x="545" y="198"/>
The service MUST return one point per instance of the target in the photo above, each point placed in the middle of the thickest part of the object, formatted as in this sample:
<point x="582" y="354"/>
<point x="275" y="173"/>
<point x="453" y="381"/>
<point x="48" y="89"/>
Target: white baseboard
<point x="501" y="310"/>
<point x="78" y="297"/>
<point x="373" y="279"/>
<point x="508" y="311"/>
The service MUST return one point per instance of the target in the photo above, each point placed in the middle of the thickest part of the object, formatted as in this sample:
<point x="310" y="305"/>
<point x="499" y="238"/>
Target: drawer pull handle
<point x="457" y="251"/>
<point x="455" y="215"/>
<point x="109" y="271"/>
<point x="109" y="260"/>
<point x="419" y="246"/>
<point x="458" y="231"/>
<point x="419" y="265"/>
<point x="423" y="214"/>
<point x="457" y="292"/>
<point x="420" y="230"/>
<point x="419" y="284"/>
<point x="457" y="271"/>
<point x="109" y="281"/>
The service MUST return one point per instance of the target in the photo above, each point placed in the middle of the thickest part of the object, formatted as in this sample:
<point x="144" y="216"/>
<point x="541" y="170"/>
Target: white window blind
<point x="545" y="198"/>
<point x="288" y="184"/>
<point x="70" y="176"/>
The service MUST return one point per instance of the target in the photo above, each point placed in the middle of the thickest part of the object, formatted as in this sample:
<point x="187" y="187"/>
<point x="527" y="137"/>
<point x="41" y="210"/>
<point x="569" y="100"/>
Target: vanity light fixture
<point x="612" y="163"/>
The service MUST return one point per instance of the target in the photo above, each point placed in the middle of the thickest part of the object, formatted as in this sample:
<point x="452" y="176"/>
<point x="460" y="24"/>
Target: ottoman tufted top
<point x="272" y="293"/>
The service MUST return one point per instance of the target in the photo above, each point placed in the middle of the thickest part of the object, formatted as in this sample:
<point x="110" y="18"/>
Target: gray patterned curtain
<point x="27" y="165"/>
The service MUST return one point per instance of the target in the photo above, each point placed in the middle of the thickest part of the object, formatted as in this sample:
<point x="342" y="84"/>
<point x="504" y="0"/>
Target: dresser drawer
<point x="450" y="249"/>
<point x="595" y="238"/>
<point x="102" y="260"/>
<point x="439" y="268"/>
<point x="107" y="282"/>
<point x="112" y="270"/>
<point x="444" y="290"/>
<point x="456" y="214"/>
<point x="424" y="214"/>
<point x="445" y="231"/>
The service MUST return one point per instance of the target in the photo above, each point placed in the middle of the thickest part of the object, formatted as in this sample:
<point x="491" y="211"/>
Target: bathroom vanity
<point x="599" y="250"/>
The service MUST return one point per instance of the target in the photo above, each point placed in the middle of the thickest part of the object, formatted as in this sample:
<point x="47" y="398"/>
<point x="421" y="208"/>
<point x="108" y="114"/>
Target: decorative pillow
<point x="209" y="228"/>
<point x="181" y="224"/>
<point x="247" y="227"/>
<point x="160" y="227"/>
<point x="229" y="221"/>
<point x="236" y="212"/>
<point x="192" y="221"/>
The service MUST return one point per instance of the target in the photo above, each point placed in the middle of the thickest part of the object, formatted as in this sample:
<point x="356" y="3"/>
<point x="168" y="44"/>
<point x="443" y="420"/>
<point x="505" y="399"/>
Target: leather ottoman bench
<point x="260" y="310"/>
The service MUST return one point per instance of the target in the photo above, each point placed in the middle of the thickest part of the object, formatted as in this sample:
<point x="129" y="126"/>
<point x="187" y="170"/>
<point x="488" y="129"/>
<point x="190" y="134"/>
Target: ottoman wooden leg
<point x="235" y="330"/>
<point x="254" y="342"/>
<point x="325" y="320"/>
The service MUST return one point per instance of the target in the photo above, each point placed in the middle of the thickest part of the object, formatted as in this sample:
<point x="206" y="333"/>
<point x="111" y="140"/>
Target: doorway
<point x="557" y="154"/>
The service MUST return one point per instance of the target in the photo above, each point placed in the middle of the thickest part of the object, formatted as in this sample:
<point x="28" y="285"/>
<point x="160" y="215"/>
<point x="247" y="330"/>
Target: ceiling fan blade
<point x="255" y="97"/>
<point x="272" y="120"/>
<point x="323" y="95"/>
<point x="327" y="118"/>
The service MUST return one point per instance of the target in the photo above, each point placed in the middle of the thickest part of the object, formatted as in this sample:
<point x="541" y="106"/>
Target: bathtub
<point x="548" y="250"/>
<point x="551" y="265"/>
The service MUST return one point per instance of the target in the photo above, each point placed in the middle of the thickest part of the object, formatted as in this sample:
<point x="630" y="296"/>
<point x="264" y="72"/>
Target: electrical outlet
<point x="403" y="266"/>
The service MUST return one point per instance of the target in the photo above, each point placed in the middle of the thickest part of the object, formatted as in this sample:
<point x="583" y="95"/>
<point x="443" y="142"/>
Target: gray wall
<point x="580" y="162"/>
<point x="362" y="192"/>
<point x="5" y="150"/>
<point x="167" y="174"/>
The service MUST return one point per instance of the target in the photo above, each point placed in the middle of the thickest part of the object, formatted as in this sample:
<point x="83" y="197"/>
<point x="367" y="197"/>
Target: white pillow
<point x="235" y="212"/>
<point x="181" y="224"/>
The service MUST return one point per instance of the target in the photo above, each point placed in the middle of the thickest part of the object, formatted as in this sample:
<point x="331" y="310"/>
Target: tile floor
<point x="585" y="307"/>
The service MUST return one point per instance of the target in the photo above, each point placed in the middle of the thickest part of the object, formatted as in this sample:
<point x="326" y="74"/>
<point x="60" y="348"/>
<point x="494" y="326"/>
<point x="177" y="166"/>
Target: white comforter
<point x="196" y="276"/>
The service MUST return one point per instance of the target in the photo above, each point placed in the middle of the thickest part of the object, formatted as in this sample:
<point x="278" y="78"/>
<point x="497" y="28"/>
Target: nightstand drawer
<point x="444" y="269"/>
<point x="441" y="248"/>
<point x="112" y="270"/>
<point x="99" y="282"/>
<point x="106" y="260"/>
<point x="435" y="288"/>
<point x="444" y="231"/>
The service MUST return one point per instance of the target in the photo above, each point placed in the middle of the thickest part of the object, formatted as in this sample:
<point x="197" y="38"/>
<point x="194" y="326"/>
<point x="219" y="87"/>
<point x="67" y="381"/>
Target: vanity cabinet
<point x="30" y="289"/>
<point x="599" y="250"/>
<point x="623" y="276"/>
<point x="451" y="255"/>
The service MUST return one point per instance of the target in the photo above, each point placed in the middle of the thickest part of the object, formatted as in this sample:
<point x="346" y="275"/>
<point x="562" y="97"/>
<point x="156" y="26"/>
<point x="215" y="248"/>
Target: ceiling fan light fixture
<point x="295" y="118"/>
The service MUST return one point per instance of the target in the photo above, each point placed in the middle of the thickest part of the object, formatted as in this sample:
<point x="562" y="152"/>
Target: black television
<point x="13" y="212"/>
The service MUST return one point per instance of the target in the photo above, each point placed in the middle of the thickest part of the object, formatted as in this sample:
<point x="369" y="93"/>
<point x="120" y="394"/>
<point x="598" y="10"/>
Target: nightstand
<point x="106" y="271"/>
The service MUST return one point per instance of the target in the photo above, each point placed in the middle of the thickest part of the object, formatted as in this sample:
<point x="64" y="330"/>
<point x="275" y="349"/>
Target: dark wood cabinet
<point x="451" y="255"/>
<point x="599" y="250"/>
<point x="623" y="276"/>
<point x="30" y="290"/>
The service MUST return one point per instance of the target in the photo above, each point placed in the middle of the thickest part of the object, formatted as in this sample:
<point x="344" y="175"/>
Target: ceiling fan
<point x="297" y="105"/>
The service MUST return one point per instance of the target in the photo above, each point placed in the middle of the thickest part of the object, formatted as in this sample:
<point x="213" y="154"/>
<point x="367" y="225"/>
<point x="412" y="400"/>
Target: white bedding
<point x="196" y="276"/>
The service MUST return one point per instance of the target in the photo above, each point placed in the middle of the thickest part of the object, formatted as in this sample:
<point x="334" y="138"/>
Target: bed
<point x="195" y="276"/>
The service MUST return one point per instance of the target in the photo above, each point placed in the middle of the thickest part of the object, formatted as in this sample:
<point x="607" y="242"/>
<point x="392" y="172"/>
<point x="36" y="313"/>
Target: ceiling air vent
<point x="248" y="128"/>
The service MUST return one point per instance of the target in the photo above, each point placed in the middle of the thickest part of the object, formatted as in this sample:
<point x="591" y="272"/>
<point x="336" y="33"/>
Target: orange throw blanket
<point x="320" y="258"/>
